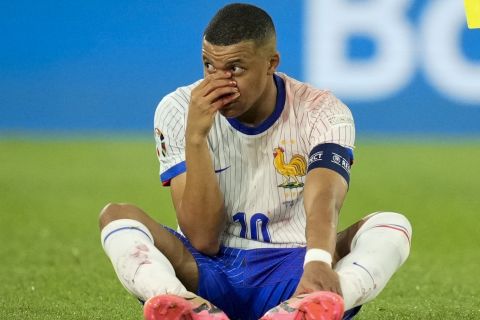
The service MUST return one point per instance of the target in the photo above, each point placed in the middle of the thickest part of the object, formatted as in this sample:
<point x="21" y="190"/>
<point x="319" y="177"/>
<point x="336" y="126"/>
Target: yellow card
<point x="472" y="10"/>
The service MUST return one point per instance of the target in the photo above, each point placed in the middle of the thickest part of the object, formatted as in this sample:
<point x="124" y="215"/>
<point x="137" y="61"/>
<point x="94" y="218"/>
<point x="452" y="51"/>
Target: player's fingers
<point x="218" y="84"/>
<point x="220" y="93"/>
<point x="339" y="292"/>
<point x="336" y="289"/>
<point x="224" y="100"/>
<point x="212" y="86"/>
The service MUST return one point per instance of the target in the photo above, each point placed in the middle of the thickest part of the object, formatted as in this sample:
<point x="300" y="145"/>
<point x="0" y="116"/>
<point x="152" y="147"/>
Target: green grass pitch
<point x="51" y="191"/>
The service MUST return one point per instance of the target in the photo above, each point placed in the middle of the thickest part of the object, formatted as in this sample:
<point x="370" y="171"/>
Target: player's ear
<point x="273" y="63"/>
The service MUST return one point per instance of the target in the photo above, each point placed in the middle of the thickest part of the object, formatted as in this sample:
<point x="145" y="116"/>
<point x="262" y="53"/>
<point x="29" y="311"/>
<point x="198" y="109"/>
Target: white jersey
<point x="261" y="171"/>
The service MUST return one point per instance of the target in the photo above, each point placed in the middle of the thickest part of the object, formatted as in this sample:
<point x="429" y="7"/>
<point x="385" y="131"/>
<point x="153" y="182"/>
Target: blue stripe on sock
<point x="125" y="228"/>
<point x="362" y="267"/>
<point x="400" y="226"/>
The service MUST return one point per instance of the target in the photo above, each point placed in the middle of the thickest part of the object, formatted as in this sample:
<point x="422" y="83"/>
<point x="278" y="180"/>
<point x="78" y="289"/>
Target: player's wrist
<point x="318" y="255"/>
<point x="195" y="138"/>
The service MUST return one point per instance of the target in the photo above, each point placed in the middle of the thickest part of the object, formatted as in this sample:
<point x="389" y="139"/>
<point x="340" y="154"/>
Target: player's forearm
<point x="201" y="215"/>
<point x="321" y="228"/>
<point x="324" y="193"/>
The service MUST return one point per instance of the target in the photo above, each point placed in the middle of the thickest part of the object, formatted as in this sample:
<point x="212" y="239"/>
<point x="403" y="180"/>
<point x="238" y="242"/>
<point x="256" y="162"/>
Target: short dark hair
<point x="239" y="22"/>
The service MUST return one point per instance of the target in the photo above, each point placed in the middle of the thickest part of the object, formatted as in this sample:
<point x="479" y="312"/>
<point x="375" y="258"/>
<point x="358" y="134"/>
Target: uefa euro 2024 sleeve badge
<point x="160" y="141"/>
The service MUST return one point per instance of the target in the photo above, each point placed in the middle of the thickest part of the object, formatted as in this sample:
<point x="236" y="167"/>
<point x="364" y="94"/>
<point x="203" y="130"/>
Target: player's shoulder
<point x="309" y="98"/>
<point x="174" y="106"/>
<point x="178" y="99"/>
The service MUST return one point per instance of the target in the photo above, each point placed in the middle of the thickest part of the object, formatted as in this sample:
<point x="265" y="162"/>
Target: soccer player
<point x="258" y="166"/>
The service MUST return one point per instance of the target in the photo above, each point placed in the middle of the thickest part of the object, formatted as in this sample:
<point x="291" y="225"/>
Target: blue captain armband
<point x="332" y="156"/>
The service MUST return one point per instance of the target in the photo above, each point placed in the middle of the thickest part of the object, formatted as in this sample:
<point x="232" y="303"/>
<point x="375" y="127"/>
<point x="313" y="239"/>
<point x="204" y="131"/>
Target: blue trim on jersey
<point x="174" y="171"/>
<point x="331" y="156"/>
<point x="279" y="105"/>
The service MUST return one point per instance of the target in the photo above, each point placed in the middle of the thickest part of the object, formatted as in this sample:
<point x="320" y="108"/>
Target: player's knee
<point x="111" y="212"/>
<point x="390" y="218"/>
<point x="398" y="224"/>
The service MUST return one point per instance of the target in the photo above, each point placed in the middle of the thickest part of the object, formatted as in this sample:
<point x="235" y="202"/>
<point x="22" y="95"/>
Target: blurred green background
<point x="51" y="192"/>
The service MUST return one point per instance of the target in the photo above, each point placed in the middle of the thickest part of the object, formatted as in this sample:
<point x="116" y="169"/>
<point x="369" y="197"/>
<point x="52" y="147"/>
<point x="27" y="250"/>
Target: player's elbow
<point x="204" y="235"/>
<point x="206" y="241"/>
<point x="209" y="247"/>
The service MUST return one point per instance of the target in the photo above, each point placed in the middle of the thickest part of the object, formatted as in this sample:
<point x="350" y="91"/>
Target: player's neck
<point x="264" y="107"/>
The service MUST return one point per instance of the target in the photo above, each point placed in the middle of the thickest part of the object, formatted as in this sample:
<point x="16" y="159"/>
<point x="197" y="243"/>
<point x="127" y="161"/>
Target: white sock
<point x="142" y="269"/>
<point x="379" y="248"/>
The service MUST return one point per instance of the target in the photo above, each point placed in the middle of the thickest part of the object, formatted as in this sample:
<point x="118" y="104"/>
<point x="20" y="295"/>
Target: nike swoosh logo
<point x="220" y="170"/>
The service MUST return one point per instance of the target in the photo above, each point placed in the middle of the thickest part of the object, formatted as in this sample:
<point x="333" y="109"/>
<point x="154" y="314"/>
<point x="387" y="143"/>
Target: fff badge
<point x="472" y="10"/>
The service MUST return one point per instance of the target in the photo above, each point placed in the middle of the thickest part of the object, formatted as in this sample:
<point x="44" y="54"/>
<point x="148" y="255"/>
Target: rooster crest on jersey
<point x="295" y="168"/>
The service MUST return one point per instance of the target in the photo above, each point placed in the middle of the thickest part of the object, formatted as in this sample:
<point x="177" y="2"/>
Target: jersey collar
<point x="267" y="123"/>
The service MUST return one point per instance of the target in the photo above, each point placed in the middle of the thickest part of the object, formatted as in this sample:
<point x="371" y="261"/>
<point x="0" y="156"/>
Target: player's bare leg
<point x="153" y="264"/>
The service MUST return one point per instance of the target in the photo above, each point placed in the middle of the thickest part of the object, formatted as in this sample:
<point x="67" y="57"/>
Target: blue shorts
<point x="247" y="283"/>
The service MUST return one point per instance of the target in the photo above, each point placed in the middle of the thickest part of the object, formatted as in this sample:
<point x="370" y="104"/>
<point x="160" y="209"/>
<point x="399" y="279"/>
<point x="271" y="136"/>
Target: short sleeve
<point x="169" y="125"/>
<point x="331" y="122"/>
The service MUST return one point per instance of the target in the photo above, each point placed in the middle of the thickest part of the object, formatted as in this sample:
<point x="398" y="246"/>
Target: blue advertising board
<point x="403" y="66"/>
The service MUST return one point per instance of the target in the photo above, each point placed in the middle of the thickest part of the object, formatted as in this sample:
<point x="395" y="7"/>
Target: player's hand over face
<point x="318" y="276"/>
<point x="213" y="93"/>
